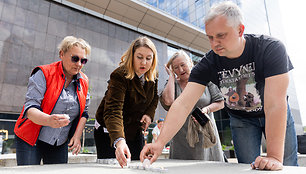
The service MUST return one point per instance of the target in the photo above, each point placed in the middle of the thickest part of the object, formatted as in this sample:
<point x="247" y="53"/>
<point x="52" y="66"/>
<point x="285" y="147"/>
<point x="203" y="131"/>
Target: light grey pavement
<point x="9" y="160"/>
<point x="86" y="163"/>
<point x="172" y="166"/>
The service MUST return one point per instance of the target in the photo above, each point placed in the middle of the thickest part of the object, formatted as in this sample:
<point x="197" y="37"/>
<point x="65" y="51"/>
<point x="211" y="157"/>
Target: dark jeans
<point x="247" y="133"/>
<point x="32" y="155"/>
<point x="105" y="150"/>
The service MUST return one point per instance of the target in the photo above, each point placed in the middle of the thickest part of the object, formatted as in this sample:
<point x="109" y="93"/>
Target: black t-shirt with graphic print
<point x="242" y="80"/>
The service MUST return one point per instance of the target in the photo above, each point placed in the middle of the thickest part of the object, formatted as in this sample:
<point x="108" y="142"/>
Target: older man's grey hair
<point x="228" y="9"/>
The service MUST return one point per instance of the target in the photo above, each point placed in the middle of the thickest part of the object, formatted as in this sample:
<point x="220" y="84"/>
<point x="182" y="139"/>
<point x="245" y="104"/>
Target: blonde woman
<point x="129" y="104"/>
<point x="55" y="111"/>
<point x="182" y="146"/>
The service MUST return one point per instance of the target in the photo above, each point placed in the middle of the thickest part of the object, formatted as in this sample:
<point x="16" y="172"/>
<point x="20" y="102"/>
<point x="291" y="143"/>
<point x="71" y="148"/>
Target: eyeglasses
<point x="76" y="59"/>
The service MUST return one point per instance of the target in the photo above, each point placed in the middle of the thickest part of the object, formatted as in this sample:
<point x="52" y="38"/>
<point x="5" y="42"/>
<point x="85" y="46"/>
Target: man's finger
<point x="143" y="153"/>
<point x="154" y="158"/>
<point x="263" y="163"/>
<point x="269" y="165"/>
<point x="277" y="166"/>
<point x="257" y="161"/>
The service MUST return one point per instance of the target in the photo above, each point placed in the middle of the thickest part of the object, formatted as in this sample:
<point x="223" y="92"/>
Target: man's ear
<point x="241" y="30"/>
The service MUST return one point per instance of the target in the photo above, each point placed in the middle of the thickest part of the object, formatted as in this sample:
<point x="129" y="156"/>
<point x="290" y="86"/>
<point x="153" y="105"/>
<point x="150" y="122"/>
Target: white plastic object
<point x="146" y="163"/>
<point x="67" y="116"/>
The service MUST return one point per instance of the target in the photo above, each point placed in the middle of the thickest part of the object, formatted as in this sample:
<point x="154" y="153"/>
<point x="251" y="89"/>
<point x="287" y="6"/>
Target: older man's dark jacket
<point x="124" y="104"/>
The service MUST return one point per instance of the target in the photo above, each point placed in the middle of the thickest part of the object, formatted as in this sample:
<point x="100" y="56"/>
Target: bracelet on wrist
<point x="117" y="140"/>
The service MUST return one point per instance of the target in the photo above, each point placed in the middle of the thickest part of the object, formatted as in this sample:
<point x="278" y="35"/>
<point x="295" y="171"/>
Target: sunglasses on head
<point x="75" y="59"/>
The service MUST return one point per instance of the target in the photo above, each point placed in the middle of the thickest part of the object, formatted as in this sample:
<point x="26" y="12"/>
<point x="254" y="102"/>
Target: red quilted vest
<point x="55" y="80"/>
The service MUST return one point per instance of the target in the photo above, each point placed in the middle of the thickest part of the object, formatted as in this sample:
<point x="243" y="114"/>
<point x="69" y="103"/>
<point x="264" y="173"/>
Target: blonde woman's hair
<point x="176" y="55"/>
<point x="70" y="41"/>
<point x="127" y="58"/>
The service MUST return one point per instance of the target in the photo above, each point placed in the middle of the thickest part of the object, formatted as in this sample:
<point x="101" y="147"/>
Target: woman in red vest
<point x="55" y="110"/>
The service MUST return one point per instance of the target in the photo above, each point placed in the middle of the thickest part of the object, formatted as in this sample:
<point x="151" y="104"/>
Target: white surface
<point x="170" y="166"/>
<point x="293" y="17"/>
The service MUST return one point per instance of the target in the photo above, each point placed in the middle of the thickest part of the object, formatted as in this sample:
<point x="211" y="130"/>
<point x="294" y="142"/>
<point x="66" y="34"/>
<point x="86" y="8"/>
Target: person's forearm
<point x="276" y="118"/>
<point x="38" y="117"/>
<point x="175" y="118"/>
<point x="213" y="107"/>
<point x="168" y="93"/>
<point x="275" y="107"/>
<point x="80" y="128"/>
<point x="179" y="111"/>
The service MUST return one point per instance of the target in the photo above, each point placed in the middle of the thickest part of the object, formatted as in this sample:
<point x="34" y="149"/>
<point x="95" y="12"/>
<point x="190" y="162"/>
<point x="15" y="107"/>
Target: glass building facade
<point x="191" y="11"/>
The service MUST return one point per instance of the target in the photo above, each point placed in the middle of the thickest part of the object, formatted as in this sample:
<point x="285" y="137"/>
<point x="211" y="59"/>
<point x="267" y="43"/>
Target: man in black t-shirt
<point x="252" y="73"/>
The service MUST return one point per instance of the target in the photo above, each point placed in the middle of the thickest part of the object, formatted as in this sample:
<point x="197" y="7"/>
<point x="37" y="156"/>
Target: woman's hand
<point x="58" y="120"/>
<point x="121" y="150"/>
<point x="146" y="121"/>
<point x="75" y="142"/>
<point x="75" y="145"/>
<point x="169" y="71"/>
<point x="41" y="118"/>
<point x="206" y="110"/>
<point x="194" y="119"/>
